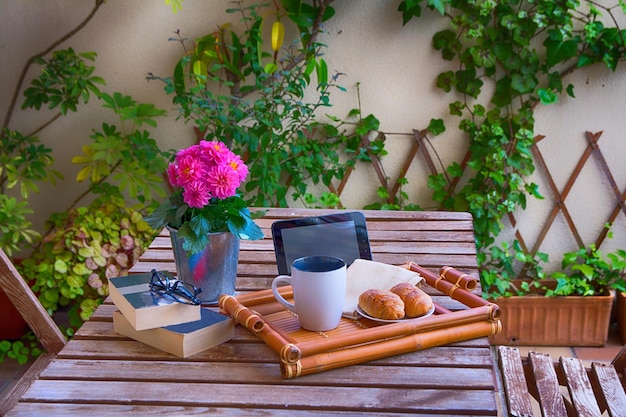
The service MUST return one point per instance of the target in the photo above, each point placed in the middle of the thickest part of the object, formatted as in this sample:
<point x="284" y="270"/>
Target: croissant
<point x="382" y="304"/>
<point x="416" y="302"/>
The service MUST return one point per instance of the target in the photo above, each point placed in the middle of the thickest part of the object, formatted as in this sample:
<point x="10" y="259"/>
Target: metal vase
<point x="214" y="269"/>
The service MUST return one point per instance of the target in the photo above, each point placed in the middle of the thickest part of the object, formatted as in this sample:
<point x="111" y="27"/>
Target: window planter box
<point x="554" y="321"/>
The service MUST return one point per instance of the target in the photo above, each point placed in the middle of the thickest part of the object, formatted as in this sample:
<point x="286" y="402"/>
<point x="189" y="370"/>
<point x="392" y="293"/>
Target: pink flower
<point x="214" y="152"/>
<point x="189" y="169"/>
<point x="238" y="166"/>
<point x="206" y="170"/>
<point x="196" y="194"/>
<point x="193" y="151"/>
<point x="172" y="175"/>
<point x="223" y="181"/>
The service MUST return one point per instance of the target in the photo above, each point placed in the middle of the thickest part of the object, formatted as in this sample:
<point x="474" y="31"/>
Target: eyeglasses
<point x="178" y="290"/>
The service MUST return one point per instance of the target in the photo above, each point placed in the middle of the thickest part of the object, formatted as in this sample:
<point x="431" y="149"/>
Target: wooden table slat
<point x="115" y="410"/>
<point x="248" y="395"/>
<point x="449" y="378"/>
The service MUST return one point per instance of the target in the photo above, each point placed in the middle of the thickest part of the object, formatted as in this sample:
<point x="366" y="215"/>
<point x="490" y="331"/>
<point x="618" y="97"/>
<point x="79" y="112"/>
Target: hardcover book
<point x="182" y="339"/>
<point x="146" y="309"/>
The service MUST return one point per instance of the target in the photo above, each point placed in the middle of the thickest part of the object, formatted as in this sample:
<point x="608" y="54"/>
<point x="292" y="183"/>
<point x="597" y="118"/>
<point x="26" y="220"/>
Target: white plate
<point x="367" y="316"/>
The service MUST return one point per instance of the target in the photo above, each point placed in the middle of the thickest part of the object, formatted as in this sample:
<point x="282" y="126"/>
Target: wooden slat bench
<point x="563" y="388"/>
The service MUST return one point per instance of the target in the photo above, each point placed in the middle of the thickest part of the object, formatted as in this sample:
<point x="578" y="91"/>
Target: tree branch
<point x="32" y="59"/>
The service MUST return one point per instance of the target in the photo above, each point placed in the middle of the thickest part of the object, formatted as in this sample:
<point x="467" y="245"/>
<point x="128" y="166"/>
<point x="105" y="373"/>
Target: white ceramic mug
<point x="319" y="290"/>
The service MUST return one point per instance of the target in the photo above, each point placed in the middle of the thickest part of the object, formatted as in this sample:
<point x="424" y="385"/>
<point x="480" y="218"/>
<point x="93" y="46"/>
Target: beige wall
<point x="396" y="69"/>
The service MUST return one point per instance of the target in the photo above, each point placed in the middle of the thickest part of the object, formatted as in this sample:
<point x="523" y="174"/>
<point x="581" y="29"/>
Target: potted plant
<point x="571" y="307"/>
<point x="206" y="217"/>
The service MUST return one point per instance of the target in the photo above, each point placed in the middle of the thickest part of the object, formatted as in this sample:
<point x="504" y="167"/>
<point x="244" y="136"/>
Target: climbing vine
<point x="505" y="57"/>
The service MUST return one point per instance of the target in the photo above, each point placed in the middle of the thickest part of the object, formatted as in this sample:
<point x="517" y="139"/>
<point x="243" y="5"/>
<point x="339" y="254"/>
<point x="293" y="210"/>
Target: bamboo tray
<point x="302" y="352"/>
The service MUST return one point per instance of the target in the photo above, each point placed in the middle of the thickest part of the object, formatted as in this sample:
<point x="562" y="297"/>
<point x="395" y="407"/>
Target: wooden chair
<point x="563" y="388"/>
<point x="38" y="320"/>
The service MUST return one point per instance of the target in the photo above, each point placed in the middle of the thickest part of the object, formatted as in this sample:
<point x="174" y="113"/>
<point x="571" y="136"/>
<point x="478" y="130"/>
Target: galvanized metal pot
<point x="214" y="269"/>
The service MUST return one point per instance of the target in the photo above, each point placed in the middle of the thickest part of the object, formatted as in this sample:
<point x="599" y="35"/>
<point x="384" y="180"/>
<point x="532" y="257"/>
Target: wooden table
<point x="101" y="373"/>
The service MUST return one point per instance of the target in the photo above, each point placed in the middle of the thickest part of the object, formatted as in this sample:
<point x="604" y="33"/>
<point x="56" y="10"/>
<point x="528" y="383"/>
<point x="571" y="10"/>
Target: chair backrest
<point x="29" y="306"/>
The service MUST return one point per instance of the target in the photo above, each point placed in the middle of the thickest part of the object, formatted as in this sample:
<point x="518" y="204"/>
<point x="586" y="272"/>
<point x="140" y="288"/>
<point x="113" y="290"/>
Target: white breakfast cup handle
<point x="287" y="280"/>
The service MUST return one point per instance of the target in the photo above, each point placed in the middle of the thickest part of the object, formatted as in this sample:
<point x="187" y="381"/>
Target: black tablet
<point x="343" y="235"/>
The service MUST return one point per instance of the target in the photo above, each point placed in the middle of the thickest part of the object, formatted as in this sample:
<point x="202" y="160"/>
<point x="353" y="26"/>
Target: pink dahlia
<point x="196" y="194"/>
<point x="214" y="152"/>
<point x="223" y="181"/>
<point x="189" y="170"/>
<point x="236" y="163"/>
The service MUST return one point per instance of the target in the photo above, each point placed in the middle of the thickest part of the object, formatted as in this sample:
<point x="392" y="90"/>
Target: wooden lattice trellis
<point x="392" y="185"/>
<point x="420" y="152"/>
<point x="559" y="197"/>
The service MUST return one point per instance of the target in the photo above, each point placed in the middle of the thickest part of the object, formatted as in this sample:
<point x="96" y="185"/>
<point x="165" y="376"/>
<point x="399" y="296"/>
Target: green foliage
<point x="20" y="350"/>
<point x="325" y="200"/>
<point x="24" y="162"/>
<point x="588" y="272"/>
<point x="502" y="266"/>
<point x="86" y="246"/>
<point x="396" y="202"/>
<point x="501" y="73"/>
<point x="65" y="81"/>
<point x="124" y="159"/>
<point x="194" y="224"/>
<point x="176" y="5"/>
<point x="252" y="96"/>
<point x="15" y="229"/>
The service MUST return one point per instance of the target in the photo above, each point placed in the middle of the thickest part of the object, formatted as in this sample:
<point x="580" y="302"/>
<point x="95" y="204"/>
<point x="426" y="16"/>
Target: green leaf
<point x="436" y="126"/>
<point x="60" y="266"/>
<point x="321" y="70"/>
<point x="446" y="41"/>
<point x="559" y="51"/>
<point x="445" y="81"/>
<point x="439" y="5"/>
<point x="455" y="170"/>
<point x="270" y="68"/>
<point x="587" y="270"/>
<point x="547" y="96"/>
<point x="409" y="9"/>
<point x="523" y="83"/>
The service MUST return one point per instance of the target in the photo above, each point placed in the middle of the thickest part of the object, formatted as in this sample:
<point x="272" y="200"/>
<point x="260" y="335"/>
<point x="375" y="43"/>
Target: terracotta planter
<point x="621" y="315"/>
<point x="554" y="321"/>
<point x="12" y="325"/>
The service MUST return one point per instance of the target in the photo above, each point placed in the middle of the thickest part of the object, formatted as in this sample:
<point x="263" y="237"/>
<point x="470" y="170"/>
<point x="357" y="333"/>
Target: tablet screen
<point x="342" y="235"/>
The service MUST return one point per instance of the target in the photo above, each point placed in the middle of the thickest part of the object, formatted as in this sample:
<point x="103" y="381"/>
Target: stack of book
<point x="162" y="322"/>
